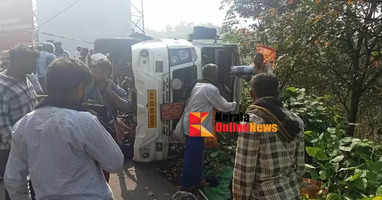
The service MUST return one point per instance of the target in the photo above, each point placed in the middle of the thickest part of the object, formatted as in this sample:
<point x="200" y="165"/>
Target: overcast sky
<point x="160" y="13"/>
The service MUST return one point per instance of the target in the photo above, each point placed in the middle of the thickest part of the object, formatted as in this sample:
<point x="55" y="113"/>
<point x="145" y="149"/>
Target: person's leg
<point x="193" y="162"/>
<point x="43" y="83"/>
<point x="107" y="175"/>
<point x="4" y="154"/>
<point x="31" y="190"/>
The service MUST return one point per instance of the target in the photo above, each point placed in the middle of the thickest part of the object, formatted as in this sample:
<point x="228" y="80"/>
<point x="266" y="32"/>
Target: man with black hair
<point x="259" y="66"/>
<point x="269" y="166"/>
<point x="59" y="50"/>
<point x="45" y="58"/>
<point x="105" y="92"/>
<point x="18" y="96"/>
<point x="204" y="97"/>
<point x="61" y="147"/>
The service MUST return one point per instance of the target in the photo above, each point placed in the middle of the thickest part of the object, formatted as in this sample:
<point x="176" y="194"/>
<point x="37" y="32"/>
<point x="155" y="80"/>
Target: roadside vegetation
<point x="329" y="63"/>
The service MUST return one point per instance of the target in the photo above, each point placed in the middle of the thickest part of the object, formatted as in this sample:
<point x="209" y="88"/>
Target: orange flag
<point x="269" y="53"/>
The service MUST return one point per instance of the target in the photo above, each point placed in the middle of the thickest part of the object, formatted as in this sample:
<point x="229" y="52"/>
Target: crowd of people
<point x="53" y="148"/>
<point x="56" y="136"/>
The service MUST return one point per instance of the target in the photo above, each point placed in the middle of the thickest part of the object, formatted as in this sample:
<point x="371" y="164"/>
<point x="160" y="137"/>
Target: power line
<point x="60" y="13"/>
<point x="137" y="16"/>
<point x="66" y="37"/>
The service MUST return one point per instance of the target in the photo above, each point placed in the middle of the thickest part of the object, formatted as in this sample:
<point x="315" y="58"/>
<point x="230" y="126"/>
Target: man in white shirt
<point x="60" y="147"/>
<point x="205" y="97"/>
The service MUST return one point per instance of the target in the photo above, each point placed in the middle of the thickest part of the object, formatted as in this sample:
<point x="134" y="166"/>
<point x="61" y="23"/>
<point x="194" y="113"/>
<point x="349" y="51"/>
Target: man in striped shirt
<point x="269" y="166"/>
<point x="17" y="96"/>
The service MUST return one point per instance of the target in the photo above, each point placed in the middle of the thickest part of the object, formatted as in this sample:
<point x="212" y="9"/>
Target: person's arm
<point x="118" y="97"/>
<point x="248" y="145"/>
<point x="300" y="157"/>
<point x="50" y="59"/>
<point x="15" y="177"/>
<point x="101" y="146"/>
<point x="218" y="101"/>
<point x="5" y="123"/>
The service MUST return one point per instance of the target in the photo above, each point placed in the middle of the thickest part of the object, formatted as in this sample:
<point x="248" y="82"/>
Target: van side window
<point x="159" y="66"/>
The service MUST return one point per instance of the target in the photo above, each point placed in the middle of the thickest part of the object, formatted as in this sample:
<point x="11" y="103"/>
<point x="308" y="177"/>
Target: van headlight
<point x="177" y="84"/>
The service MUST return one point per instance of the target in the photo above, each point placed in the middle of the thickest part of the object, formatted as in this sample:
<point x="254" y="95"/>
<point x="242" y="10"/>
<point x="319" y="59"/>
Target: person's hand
<point x="109" y="85"/>
<point x="235" y="105"/>
<point x="247" y="77"/>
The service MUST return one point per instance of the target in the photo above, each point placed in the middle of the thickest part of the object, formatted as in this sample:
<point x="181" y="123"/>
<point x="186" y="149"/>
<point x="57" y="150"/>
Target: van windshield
<point x="180" y="56"/>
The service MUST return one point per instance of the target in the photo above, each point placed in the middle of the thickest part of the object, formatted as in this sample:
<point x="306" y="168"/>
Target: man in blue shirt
<point x="45" y="58"/>
<point x="60" y="147"/>
<point x="105" y="92"/>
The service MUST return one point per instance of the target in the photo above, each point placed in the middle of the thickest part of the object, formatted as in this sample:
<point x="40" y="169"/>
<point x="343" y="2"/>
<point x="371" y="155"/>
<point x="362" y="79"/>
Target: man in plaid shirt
<point x="17" y="96"/>
<point x="269" y="166"/>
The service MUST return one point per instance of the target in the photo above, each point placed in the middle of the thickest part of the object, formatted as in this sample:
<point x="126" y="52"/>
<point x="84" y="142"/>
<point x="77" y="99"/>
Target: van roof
<point x="170" y="43"/>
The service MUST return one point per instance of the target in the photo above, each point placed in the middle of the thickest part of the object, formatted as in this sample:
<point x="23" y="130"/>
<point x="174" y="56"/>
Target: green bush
<point x="350" y="168"/>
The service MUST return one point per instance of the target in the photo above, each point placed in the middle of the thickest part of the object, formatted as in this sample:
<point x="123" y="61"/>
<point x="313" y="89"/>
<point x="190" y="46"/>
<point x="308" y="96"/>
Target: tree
<point x="327" y="46"/>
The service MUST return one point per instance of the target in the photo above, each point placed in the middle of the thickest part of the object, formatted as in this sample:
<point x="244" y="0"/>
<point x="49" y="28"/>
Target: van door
<point x="225" y="57"/>
<point x="183" y="74"/>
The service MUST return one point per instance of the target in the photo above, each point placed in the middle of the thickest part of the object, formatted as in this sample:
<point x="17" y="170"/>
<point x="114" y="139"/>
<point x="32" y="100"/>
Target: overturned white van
<point x="155" y="65"/>
<point x="164" y="71"/>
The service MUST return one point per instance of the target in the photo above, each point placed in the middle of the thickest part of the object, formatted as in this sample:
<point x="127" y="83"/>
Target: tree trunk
<point x="353" y="111"/>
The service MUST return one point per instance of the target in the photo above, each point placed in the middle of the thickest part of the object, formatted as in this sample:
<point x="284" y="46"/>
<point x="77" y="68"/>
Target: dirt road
<point x="138" y="181"/>
<point x="141" y="181"/>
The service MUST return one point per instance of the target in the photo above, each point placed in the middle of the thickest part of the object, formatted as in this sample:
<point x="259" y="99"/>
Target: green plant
<point x="350" y="168"/>
<point x="221" y="157"/>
